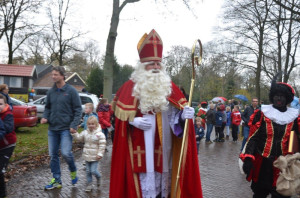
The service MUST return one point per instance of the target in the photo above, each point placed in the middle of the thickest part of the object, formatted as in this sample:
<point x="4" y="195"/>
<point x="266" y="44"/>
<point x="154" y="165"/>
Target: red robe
<point x="128" y="156"/>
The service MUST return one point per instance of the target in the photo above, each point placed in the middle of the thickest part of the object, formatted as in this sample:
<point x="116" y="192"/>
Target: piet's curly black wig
<point x="280" y="87"/>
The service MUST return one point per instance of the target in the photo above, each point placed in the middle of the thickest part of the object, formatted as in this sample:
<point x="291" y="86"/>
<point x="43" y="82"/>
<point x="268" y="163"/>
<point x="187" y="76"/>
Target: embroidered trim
<point x="270" y="137"/>
<point x="135" y="176"/>
<point x="124" y="115"/>
<point x="278" y="117"/>
<point x="285" y="138"/>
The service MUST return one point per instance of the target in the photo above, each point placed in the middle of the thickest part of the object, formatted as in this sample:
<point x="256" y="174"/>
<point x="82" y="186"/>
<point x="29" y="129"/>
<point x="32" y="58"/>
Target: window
<point x="1" y="80"/>
<point x="15" y="82"/>
<point x="41" y="101"/>
<point x="85" y="100"/>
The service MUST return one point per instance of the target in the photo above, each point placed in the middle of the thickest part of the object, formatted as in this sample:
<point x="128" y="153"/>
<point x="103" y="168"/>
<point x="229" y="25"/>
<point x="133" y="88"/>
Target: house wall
<point x="76" y="81"/>
<point x="18" y="86"/>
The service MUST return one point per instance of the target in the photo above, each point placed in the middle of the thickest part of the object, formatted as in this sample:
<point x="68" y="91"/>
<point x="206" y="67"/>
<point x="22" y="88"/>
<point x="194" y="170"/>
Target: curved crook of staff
<point x="198" y="61"/>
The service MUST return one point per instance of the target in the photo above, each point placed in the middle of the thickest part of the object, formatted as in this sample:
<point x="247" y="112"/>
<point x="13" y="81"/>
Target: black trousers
<point x="234" y="132"/>
<point x="260" y="192"/>
<point x="219" y="132"/>
<point x="263" y="187"/>
<point x="5" y="154"/>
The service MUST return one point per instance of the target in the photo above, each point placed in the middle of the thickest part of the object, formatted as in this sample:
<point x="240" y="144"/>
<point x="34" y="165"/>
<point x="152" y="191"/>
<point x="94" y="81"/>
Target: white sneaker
<point x="89" y="187"/>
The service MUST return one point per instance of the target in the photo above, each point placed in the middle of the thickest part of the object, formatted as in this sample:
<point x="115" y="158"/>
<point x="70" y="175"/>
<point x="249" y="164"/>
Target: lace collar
<point x="280" y="117"/>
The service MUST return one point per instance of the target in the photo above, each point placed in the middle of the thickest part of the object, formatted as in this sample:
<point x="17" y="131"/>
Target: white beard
<point x="151" y="89"/>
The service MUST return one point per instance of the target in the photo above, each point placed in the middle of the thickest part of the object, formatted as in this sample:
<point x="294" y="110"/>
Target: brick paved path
<point x="218" y="166"/>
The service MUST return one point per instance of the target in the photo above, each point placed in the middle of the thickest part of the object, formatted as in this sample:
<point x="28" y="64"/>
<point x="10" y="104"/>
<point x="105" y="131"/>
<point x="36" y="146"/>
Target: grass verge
<point x="31" y="141"/>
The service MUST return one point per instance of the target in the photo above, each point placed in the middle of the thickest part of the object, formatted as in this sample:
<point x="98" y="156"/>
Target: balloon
<point x="31" y="94"/>
<point x="32" y="90"/>
<point x="29" y="90"/>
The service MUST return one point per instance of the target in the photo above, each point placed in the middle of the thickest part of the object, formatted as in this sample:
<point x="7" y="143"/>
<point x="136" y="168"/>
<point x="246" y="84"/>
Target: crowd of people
<point x="149" y="114"/>
<point x="226" y="118"/>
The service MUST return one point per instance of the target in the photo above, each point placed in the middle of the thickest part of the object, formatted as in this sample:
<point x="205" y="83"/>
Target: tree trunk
<point x="259" y="63"/>
<point x="109" y="54"/>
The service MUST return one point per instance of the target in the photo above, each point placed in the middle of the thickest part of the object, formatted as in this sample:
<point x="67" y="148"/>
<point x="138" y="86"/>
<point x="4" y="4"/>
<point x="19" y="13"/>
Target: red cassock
<point x="129" y="158"/>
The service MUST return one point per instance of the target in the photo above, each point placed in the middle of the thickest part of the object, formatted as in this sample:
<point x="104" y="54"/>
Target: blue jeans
<point x="246" y="134"/>
<point x="208" y="132"/>
<point x="92" y="169"/>
<point x="62" y="140"/>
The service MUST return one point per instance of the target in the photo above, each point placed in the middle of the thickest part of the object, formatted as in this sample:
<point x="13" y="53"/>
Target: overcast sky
<point x="175" y="24"/>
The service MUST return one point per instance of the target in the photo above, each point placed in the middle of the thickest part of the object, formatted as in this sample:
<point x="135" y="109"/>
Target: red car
<point x="24" y="115"/>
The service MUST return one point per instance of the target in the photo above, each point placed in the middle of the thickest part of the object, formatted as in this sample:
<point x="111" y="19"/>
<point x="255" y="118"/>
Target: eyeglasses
<point x="255" y="101"/>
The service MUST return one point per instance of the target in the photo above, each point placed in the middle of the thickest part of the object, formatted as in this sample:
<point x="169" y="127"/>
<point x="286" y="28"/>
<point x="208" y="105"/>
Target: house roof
<point x="46" y="80"/>
<point x="41" y="68"/>
<point x="17" y="70"/>
<point x="69" y="75"/>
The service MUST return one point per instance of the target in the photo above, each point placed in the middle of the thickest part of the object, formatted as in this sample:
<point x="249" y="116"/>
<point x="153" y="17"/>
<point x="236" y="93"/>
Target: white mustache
<point x="155" y="70"/>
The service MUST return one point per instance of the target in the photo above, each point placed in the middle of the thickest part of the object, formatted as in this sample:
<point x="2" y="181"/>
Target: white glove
<point x="188" y="113"/>
<point x="141" y="123"/>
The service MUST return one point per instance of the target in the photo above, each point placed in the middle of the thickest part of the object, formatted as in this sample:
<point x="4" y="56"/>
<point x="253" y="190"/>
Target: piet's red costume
<point x="128" y="156"/>
<point x="268" y="139"/>
<point x="202" y="113"/>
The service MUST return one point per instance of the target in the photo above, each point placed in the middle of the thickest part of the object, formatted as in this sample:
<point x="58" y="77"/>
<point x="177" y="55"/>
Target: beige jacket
<point x="94" y="143"/>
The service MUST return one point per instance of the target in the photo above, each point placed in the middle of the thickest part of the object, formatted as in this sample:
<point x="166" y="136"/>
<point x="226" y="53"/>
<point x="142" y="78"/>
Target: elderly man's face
<point x="154" y="65"/>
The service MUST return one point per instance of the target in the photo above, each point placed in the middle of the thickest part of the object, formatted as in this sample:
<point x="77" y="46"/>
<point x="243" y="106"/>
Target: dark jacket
<point x="200" y="132"/>
<point x="63" y="108"/>
<point x="7" y="134"/>
<point x="210" y="117"/>
<point x="247" y="113"/>
<point x="219" y="118"/>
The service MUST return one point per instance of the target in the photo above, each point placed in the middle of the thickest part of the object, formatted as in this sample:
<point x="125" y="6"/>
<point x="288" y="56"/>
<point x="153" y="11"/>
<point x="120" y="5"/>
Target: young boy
<point x="7" y="140"/>
<point x="88" y="110"/>
<point x="199" y="131"/>
<point x="219" y="124"/>
<point x="236" y="121"/>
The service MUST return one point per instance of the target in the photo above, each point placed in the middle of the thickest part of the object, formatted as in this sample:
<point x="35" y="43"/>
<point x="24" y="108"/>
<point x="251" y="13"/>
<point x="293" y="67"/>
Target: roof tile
<point x="16" y="70"/>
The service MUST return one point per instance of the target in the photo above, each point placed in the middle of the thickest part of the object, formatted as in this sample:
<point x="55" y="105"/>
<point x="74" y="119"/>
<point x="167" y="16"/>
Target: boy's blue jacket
<point x="228" y="118"/>
<point x="219" y="118"/>
<point x="85" y="118"/>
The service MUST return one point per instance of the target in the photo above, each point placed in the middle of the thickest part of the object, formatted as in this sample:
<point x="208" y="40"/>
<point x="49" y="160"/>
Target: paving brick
<point x="220" y="176"/>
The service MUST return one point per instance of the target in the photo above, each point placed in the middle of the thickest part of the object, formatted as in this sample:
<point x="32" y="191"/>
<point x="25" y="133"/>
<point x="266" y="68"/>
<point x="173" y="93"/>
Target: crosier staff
<point x="198" y="61"/>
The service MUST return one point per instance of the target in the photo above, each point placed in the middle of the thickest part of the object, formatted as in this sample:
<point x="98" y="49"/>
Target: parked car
<point x="24" y="115"/>
<point x="84" y="97"/>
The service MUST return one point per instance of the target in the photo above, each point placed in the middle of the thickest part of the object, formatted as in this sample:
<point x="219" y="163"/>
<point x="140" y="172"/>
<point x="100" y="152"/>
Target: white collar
<point x="278" y="117"/>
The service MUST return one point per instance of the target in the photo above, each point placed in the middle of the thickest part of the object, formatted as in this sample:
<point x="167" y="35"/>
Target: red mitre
<point x="150" y="47"/>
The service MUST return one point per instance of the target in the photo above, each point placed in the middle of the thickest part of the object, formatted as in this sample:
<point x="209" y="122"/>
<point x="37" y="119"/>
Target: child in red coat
<point x="7" y="140"/>
<point x="104" y="114"/>
<point x="236" y="121"/>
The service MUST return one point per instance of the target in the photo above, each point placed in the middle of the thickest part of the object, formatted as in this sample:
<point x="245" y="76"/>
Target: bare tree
<point x="247" y="20"/>
<point x="291" y="5"/>
<point x="17" y="25"/>
<point x="110" y="45"/>
<point x="281" y="55"/>
<point x="60" y="40"/>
